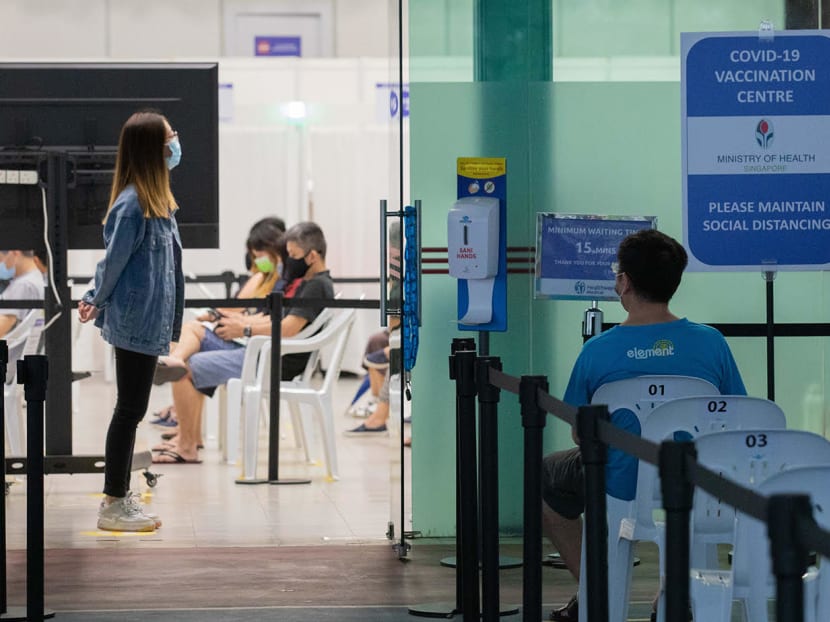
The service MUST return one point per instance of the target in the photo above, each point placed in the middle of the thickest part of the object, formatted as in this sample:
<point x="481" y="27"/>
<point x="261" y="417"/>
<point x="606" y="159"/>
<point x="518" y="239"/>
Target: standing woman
<point x="138" y="297"/>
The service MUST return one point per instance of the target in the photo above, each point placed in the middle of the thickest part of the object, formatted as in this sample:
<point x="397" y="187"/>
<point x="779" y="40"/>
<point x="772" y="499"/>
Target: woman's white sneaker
<point x="123" y="514"/>
<point x="135" y="498"/>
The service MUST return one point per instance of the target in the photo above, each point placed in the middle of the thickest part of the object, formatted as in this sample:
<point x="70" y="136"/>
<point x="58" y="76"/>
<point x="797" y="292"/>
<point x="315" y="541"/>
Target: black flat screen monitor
<point x="78" y="109"/>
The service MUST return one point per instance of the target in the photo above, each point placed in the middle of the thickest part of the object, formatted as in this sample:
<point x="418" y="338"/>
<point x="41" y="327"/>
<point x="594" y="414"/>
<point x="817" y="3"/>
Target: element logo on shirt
<point x="661" y="347"/>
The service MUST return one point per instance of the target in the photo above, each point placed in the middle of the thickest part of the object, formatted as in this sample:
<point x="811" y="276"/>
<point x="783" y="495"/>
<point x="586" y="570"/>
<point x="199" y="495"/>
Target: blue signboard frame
<point x="756" y="163"/>
<point x="574" y="253"/>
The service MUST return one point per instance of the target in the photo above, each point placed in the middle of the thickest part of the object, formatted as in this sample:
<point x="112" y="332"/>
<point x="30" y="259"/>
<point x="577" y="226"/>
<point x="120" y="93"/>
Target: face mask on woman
<point x="264" y="264"/>
<point x="175" y="156"/>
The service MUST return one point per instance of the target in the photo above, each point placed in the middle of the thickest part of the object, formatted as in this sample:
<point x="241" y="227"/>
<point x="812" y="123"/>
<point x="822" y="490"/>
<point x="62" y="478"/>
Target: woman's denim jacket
<point x="139" y="284"/>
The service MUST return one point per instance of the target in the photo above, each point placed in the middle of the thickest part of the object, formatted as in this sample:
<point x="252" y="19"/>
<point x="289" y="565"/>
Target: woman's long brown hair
<point x="140" y="162"/>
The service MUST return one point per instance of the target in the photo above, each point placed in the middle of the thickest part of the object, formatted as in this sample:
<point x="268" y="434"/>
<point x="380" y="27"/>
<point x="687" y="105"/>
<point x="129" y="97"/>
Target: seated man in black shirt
<point x="306" y="248"/>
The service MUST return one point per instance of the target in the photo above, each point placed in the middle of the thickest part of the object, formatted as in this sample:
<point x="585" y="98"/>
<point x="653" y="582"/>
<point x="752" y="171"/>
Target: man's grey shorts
<point x="217" y="362"/>
<point x="563" y="483"/>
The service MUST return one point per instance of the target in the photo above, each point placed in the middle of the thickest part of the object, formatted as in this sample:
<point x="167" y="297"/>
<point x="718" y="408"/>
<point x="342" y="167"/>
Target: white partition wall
<point x="302" y="139"/>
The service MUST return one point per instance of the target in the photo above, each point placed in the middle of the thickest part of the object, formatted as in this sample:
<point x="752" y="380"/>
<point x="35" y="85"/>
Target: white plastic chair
<point x="747" y="457"/>
<point x="641" y="395"/>
<point x="230" y="396"/>
<point x="751" y="580"/>
<point x="300" y="390"/>
<point x="687" y="418"/>
<point x="17" y="341"/>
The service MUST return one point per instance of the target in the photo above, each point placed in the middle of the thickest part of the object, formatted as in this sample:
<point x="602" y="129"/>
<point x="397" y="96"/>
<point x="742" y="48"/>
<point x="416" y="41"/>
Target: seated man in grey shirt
<point x="26" y="283"/>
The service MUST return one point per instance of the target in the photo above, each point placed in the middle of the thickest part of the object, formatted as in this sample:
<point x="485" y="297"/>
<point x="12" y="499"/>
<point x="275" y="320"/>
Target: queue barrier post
<point x="789" y="555"/>
<point x="488" y="439"/>
<point x="465" y="366"/>
<point x="19" y="614"/>
<point x="594" y="457"/>
<point x="534" y="419"/>
<point x="677" y="488"/>
<point x="448" y="610"/>
<point x="32" y="373"/>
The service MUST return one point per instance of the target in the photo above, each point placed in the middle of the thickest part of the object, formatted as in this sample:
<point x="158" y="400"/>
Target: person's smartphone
<point x="215" y="314"/>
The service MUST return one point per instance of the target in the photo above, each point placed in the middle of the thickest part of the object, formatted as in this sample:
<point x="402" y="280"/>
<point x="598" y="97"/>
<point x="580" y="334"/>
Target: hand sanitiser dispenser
<point x="473" y="252"/>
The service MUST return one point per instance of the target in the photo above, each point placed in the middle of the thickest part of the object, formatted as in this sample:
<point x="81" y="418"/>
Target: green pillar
<point x="512" y="40"/>
<point x="501" y="110"/>
<point x="512" y="47"/>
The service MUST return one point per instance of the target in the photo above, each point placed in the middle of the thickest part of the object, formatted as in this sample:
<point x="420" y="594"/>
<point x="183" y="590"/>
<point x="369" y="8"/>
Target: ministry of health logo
<point x="579" y="287"/>
<point x="763" y="133"/>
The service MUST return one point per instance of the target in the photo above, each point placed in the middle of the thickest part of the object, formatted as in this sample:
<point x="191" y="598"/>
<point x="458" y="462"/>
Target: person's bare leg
<point x="188" y="401"/>
<point x="566" y="535"/>
<point x="376" y="377"/>
<point x="190" y="341"/>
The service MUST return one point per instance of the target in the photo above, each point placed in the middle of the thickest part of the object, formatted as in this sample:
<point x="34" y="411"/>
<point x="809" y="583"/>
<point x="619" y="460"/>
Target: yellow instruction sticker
<point x="481" y="168"/>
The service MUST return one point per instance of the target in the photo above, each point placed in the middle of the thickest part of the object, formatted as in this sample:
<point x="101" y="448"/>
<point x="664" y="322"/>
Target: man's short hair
<point x="308" y="236"/>
<point x="654" y="263"/>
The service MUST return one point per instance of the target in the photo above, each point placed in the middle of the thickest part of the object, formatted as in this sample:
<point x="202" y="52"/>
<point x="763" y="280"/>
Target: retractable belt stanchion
<point x="32" y="373"/>
<point x="443" y="609"/>
<point x="789" y="555"/>
<point x="275" y="308"/>
<point x="488" y="486"/>
<point x="678" y="492"/>
<point x="533" y="421"/>
<point x="488" y="454"/>
<point x="594" y="457"/>
<point x="6" y="612"/>
<point x="465" y="362"/>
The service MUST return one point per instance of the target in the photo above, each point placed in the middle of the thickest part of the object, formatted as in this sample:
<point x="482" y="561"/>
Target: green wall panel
<point x="577" y="147"/>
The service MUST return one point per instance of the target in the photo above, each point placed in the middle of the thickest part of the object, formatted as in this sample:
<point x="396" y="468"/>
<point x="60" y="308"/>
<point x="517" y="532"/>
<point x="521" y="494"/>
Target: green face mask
<point x="264" y="264"/>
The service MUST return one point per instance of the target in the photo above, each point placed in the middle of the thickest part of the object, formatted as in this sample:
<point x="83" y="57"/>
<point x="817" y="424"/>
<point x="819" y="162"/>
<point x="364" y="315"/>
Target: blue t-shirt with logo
<point x="678" y="348"/>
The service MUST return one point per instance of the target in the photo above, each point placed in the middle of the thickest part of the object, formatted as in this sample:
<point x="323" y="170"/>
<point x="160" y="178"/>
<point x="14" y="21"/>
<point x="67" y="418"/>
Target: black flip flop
<point x="177" y="458"/>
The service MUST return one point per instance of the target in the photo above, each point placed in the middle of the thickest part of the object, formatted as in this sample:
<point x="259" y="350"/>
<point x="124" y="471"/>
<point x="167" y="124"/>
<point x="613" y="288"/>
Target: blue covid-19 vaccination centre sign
<point x="756" y="157"/>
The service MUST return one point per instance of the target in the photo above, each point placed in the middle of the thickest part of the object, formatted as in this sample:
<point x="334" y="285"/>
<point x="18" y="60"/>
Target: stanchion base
<point x="448" y="610"/>
<point x="504" y="562"/>
<point x="15" y="614"/>
<point x="273" y="482"/>
<point x="434" y="610"/>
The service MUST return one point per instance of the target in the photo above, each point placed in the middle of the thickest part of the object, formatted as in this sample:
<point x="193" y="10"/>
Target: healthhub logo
<point x="764" y="134"/>
<point x="661" y="347"/>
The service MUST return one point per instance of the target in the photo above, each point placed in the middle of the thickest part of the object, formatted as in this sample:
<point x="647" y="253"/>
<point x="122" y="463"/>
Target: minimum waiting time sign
<point x="756" y="154"/>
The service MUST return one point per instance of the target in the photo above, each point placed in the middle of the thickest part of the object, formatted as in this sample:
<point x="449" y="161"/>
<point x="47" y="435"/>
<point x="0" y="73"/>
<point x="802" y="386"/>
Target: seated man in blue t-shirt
<point x="651" y="340"/>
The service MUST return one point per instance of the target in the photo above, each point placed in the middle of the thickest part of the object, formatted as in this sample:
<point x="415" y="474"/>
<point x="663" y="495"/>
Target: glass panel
<point x="602" y="138"/>
<point x="397" y="113"/>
